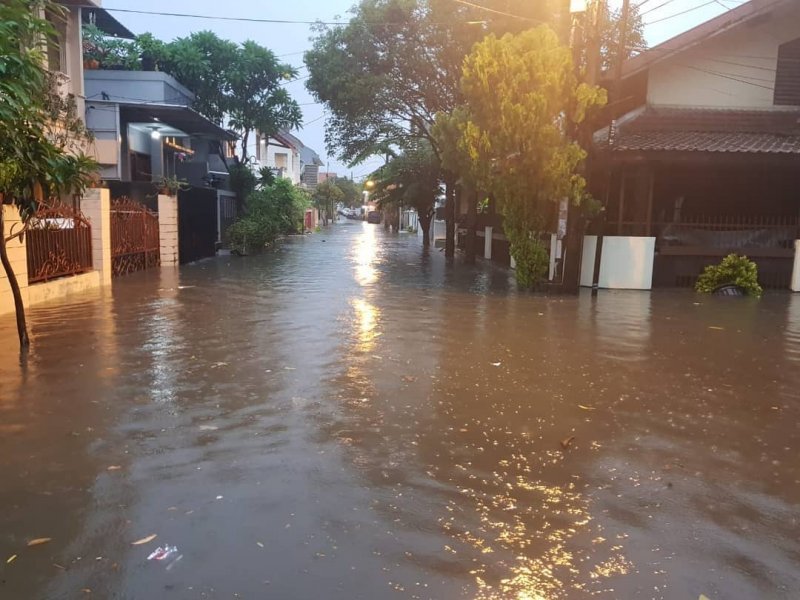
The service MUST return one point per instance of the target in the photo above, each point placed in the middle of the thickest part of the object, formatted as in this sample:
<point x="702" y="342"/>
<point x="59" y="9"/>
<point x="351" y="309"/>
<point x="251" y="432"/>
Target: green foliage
<point x="271" y="211"/>
<point x="110" y="53"/>
<point x="327" y="194"/>
<point x="350" y="190"/>
<point x="733" y="270"/>
<point x="242" y="180"/>
<point x="41" y="135"/>
<point x="521" y="96"/>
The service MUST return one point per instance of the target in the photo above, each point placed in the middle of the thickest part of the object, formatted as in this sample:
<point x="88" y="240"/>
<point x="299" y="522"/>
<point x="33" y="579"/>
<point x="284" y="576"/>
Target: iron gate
<point x="135" y="240"/>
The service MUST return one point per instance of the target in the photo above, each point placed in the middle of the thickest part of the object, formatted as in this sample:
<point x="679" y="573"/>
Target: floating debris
<point x="145" y="540"/>
<point x="567" y="442"/>
<point x="163" y="553"/>
<point x="39" y="541"/>
<point x="11" y="559"/>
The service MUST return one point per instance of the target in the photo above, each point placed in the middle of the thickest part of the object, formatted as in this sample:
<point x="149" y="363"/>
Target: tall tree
<point x="411" y="179"/>
<point x="326" y="196"/>
<point x="523" y="96"/>
<point x="41" y="135"/>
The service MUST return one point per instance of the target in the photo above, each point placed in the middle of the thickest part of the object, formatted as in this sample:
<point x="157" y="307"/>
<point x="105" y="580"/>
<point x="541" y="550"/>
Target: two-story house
<point x="703" y="157"/>
<point x="288" y="157"/>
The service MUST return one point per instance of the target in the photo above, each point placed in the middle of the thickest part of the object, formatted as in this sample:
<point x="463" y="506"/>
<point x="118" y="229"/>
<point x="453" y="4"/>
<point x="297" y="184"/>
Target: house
<point x="703" y="156"/>
<point x="281" y="154"/>
<point x="66" y="255"/>
<point x="288" y="157"/>
<point x="146" y="131"/>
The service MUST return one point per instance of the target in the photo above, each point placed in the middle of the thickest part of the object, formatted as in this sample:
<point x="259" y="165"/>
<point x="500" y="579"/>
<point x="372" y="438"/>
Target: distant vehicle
<point x="374" y="217"/>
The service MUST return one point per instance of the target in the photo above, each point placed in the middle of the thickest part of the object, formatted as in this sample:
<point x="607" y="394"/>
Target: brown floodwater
<point x="350" y="418"/>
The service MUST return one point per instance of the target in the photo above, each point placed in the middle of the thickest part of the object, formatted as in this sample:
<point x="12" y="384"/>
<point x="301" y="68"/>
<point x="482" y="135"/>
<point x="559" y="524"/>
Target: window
<point x="57" y="42"/>
<point x="787" y="78"/>
<point x="281" y="160"/>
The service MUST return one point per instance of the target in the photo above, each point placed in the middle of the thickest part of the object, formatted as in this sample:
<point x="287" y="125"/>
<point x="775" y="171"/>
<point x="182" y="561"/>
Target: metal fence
<point x="135" y="240"/>
<point x="59" y="243"/>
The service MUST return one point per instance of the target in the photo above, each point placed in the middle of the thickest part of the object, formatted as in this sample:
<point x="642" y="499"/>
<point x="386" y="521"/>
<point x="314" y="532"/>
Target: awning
<point x="106" y="23"/>
<point x="706" y="130"/>
<point x="179" y="117"/>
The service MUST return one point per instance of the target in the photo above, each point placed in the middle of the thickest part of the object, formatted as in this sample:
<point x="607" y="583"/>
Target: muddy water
<point x="348" y="418"/>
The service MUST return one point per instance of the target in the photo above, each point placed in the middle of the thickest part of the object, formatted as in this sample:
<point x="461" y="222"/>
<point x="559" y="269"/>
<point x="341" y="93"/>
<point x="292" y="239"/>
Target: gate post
<point x="96" y="207"/>
<point x="796" y="272"/>
<point x="168" y="229"/>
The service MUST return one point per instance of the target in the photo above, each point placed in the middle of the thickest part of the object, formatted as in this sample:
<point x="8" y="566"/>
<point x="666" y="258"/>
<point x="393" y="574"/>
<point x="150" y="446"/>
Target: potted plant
<point x="734" y="276"/>
<point x="170" y="186"/>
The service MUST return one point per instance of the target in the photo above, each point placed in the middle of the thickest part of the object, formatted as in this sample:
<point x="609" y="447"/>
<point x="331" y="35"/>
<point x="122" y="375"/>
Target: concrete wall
<point x="51" y="290"/>
<point x="627" y="262"/>
<point x="734" y="70"/>
<point x="96" y="207"/>
<point x="268" y="152"/>
<point x="168" y="229"/>
<point x="796" y="271"/>
<point x="136" y="86"/>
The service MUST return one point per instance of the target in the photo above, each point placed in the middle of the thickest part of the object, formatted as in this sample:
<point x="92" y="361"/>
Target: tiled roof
<point x="703" y="130"/>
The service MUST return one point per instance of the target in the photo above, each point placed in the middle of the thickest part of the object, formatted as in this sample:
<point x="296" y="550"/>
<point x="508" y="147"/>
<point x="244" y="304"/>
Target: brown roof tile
<point x="704" y="130"/>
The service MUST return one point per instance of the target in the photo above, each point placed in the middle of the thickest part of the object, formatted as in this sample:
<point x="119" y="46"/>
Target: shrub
<point x="274" y="210"/>
<point x="733" y="270"/>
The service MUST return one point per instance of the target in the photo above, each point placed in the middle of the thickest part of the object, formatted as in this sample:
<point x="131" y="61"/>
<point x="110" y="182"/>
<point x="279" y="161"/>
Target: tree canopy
<point x="522" y="96"/>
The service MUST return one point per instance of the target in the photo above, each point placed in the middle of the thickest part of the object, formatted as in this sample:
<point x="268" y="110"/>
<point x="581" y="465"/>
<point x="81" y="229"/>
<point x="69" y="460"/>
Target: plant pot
<point x="729" y="289"/>
<point x="91" y="64"/>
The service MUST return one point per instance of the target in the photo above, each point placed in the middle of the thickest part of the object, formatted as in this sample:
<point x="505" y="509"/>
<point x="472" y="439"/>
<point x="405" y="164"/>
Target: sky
<point x="289" y="41"/>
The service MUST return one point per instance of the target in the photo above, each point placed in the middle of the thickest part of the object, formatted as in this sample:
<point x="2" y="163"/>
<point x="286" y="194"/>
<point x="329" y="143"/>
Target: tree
<point x="40" y="133"/>
<point x="326" y="196"/>
<point x="523" y="96"/>
<point x="351" y="191"/>
<point x="411" y="179"/>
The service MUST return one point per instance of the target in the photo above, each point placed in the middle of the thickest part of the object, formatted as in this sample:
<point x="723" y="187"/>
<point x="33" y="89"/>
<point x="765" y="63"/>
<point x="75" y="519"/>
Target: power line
<point x="688" y="10"/>
<point x="497" y="12"/>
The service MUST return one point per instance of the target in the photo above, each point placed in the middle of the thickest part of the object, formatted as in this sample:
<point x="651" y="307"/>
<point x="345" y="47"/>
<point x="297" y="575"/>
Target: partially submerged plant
<point x="735" y="270"/>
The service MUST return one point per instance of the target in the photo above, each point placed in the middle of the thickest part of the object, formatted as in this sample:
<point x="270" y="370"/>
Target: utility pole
<point x="616" y="97"/>
<point x="575" y="221"/>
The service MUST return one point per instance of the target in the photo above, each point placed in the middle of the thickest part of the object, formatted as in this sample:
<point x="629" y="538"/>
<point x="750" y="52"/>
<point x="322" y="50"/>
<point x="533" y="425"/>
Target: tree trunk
<point x="574" y="247"/>
<point x="472" y="218"/>
<point x="22" y="327"/>
<point x="450" y="218"/>
<point x="425" y="225"/>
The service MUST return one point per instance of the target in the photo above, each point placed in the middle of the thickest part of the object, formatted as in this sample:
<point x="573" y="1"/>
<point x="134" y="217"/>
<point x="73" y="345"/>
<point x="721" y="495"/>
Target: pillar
<point x="796" y="271"/>
<point x="96" y="207"/>
<point x="487" y="244"/>
<point x="18" y="256"/>
<point x="168" y="229"/>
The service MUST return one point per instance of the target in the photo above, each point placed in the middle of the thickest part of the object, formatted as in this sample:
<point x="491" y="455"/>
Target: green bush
<point x="733" y="270"/>
<point x="274" y="210"/>
<point x="532" y="260"/>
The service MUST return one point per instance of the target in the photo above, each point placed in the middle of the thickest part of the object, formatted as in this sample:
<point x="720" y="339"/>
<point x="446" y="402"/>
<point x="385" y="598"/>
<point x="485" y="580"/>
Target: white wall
<point x="268" y="153"/>
<point x="736" y="69"/>
<point x="796" y="271"/>
<point x="627" y="262"/>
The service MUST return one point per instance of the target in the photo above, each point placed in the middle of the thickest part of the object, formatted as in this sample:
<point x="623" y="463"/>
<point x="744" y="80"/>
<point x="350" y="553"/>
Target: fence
<point x="59" y="243"/>
<point x="683" y="249"/>
<point x="135" y="238"/>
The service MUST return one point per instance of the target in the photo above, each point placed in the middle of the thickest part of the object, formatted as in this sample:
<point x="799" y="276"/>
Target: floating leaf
<point x="39" y="541"/>
<point x="146" y="540"/>
<point x="581" y="406"/>
<point x="567" y="442"/>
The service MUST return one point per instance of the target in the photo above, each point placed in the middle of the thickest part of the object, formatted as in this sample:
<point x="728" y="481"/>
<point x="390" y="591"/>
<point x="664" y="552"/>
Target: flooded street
<point x="347" y="418"/>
